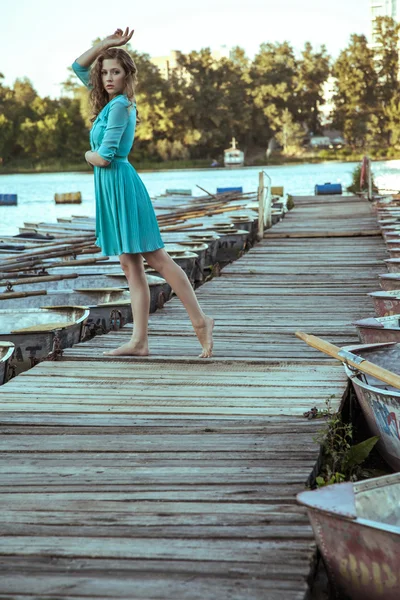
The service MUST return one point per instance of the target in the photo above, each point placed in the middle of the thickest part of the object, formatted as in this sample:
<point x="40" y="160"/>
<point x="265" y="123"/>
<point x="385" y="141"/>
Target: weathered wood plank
<point x="177" y="477"/>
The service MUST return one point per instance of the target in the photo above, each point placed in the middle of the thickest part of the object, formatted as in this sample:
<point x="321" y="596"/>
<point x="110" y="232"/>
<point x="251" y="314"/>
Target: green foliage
<point x="194" y="114"/>
<point x="355" y="187"/>
<point x="291" y="135"/>
<point x="341" y="460"/>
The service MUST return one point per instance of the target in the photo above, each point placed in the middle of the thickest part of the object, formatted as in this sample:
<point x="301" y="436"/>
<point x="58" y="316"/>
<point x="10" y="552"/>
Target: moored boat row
<point x="357" y="525"/>
<point x="54" y="269"/>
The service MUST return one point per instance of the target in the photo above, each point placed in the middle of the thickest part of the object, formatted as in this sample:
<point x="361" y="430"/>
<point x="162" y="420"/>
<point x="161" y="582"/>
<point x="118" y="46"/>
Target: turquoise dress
<point x="125" y="218"/>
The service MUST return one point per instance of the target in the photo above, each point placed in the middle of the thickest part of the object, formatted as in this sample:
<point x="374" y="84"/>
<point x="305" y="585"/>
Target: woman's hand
<point x="87" y="158"/>
<point x="118" y="38"/>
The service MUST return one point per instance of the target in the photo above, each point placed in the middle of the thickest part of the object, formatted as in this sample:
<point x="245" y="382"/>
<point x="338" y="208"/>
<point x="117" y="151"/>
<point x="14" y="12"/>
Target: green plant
<point x="341" y="461"/>
<point x="355" y="187"/>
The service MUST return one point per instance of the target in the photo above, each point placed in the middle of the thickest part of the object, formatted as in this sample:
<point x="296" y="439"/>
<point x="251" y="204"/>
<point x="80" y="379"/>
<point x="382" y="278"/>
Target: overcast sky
<point x="40" y="38"/>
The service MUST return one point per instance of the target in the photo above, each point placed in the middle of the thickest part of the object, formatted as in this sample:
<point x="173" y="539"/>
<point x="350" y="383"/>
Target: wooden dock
<point x="171" y="477"/>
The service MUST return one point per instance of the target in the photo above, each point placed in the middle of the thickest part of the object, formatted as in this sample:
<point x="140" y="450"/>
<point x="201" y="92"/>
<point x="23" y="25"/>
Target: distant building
<point x="330" y="139"/>
<point x="169" y="64"/>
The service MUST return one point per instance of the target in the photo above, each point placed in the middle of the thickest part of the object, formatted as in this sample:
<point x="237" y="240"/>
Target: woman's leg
<point x="178" y="280"/>
<point x="132" y="265"/>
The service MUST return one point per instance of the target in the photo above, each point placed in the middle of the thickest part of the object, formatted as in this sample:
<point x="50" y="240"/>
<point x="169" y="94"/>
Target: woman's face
<point x="113" y="77"/>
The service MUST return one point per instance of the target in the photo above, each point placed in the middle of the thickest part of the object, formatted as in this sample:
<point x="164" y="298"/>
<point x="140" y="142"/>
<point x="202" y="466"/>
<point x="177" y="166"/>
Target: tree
<point x="291" y="134"/>
<point x="313" y="72"/>
<point x="355" y="98"/>
<point x="387" y="58"/>
<point x="272" y="85"/>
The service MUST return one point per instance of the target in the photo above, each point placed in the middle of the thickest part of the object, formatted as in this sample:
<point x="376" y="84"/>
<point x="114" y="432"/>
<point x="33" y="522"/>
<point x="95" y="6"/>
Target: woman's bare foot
<point x="204" y="334"/>
<point x="132" y="348"/>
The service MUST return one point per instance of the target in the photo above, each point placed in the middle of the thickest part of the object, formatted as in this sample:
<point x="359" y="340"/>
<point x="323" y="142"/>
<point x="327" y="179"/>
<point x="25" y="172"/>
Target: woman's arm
<point x="95" y="160"/>
<point x="119" y="38"/>
<point x="116" y="124"/>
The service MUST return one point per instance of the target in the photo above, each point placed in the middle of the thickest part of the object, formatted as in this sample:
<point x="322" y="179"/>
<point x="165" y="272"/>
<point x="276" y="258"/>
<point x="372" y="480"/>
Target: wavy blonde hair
<point x="98" y="95"/>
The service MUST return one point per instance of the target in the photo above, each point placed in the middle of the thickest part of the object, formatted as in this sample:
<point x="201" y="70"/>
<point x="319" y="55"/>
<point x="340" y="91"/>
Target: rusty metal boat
<point x="357" y="529"/>
<point x="379" y="330"/>
<point x="37" y="332"/>
<point x="386" y="303"/>
<point x="380" y="402"/>
<point x="390" y="281"/>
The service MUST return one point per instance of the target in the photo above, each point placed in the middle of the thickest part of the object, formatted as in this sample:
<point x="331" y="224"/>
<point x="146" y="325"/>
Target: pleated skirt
<point x="125" y="217"/>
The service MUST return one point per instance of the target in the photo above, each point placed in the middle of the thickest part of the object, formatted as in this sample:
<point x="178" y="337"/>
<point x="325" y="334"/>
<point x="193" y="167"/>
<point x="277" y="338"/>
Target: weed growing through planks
<point x="341" y="460"/>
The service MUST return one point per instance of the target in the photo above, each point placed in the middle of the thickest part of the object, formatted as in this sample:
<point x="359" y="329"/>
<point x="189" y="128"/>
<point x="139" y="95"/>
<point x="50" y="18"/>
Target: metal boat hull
<point x="386" y="303"/>
<point x="379" y="402"/>
<point x="357" y="529"/>
<point x="380" y="330"/>
<point x="33" y="346"/>
<point x="6" y="352"/>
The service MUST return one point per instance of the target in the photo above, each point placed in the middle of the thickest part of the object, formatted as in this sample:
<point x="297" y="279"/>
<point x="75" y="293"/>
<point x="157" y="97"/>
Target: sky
<point x="41" y="38"/>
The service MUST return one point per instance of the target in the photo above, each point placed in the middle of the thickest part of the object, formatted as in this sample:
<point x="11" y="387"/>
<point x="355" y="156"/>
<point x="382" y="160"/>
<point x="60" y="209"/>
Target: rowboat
<point x="231" y="244"/>
<point x="6" y="352"/>
<point x="160" y="291"/>
<point x="36" y="332"/>
<point x="379" y="330"/>
<point x="386" y="303"/>
<point x="390" y="281"/>
<point x="357" y="529"/>
<point x="380" y="403"/>
<point x="186" y="260"/>
<point x="109" y="308"/>
<point x="393" y="265"/>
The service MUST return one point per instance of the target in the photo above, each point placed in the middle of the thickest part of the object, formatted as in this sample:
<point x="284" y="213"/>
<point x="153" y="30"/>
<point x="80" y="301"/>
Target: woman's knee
<point x="156" y="260"/>
<point x="132" y="265"/>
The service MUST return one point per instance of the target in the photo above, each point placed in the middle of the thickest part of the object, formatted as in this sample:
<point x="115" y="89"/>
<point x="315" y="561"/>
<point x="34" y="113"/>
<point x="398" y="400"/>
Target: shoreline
<point x="201" y="165"/>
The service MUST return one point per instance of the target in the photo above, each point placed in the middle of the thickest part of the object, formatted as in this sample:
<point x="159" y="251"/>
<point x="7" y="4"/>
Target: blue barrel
<point x="8" y="199"/>
<point x="229" y="189"/>
<point x="328" y="188"/>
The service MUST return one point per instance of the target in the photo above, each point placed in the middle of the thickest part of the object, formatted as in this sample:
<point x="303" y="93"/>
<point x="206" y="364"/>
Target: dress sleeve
<point x="83" y="73"/>
<point x="118" y="118"/>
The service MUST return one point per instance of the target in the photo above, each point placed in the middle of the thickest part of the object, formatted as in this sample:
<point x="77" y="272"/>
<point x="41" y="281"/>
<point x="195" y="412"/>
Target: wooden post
<point x="268" y="206"/>
<point x="261" y="206"/>
<point x="369" y="175"/>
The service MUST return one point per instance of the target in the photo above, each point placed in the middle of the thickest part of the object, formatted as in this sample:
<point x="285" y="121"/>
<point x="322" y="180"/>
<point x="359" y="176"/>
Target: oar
<point x="350" y="359"/>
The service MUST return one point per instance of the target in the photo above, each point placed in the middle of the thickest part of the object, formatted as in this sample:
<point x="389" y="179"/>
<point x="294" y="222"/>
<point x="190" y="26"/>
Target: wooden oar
<point x="9" y="295"/>
<point x="350" y="359"/>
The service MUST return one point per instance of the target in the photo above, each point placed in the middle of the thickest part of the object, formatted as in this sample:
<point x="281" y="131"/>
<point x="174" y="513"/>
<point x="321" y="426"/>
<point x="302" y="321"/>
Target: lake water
<point x="36" y="191"/>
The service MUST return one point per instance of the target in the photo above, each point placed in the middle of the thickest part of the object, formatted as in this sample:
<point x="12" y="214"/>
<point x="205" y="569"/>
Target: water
<point x="36" y="191"/>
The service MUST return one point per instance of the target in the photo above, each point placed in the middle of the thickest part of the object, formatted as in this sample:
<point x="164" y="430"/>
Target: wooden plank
<point x="177" y="477"/>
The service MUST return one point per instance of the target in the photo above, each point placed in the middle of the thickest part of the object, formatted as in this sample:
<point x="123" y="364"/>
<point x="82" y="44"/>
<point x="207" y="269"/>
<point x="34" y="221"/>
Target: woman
<point x="126" y="224"/>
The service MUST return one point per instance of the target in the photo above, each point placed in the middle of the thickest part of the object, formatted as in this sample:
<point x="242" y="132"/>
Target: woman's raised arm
<point x="118" y="38"/>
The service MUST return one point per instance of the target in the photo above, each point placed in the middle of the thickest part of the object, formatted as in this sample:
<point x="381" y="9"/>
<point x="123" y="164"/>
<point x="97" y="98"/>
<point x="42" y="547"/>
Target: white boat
<point x="233" y="157"/>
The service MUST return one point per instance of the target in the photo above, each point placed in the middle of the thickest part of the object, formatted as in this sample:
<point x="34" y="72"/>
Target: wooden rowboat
<point x="36" y="332"/>
<point x="6" y="352"/>
<point x="357" y="529"/>
<point x="380" y="402"/>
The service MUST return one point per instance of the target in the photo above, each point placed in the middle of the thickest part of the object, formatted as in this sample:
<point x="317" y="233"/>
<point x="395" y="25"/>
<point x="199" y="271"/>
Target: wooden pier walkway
<point x="169" y="477"/>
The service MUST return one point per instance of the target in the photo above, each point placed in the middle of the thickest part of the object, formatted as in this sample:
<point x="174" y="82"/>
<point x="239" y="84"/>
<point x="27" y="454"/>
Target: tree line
<point x="276" y="96"/>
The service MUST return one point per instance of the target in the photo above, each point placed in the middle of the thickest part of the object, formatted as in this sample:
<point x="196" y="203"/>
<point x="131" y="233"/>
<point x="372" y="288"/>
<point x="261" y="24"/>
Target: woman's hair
<point x="98" y="95"/>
